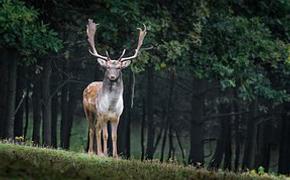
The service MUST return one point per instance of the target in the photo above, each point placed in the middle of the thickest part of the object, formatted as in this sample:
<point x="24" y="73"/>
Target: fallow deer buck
<point x="103" y="101"/>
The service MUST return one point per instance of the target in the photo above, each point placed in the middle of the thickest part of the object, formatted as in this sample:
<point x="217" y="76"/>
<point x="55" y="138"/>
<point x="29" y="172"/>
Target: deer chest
<point x="110" y="103"/>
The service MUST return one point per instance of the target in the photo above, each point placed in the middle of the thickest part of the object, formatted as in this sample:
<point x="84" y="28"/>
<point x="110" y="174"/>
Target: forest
<point x="208" y="89"/>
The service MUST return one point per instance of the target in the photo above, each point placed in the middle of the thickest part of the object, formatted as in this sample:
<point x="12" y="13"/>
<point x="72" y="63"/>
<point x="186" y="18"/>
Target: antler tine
<point x="91" y="31"/>
<point x="123" y="53"/>
<point x="107" y="54"/>
<point x="142" y="34"/>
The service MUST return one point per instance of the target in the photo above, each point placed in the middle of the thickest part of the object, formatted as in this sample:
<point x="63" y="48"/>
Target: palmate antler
<point x="142" y="34"/>
<point x="91" y="31"/>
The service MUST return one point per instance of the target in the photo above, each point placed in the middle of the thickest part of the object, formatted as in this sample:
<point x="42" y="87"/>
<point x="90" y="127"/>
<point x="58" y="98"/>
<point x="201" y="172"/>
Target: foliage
<point x="22" y="30"/>
<point x="241" y="52"/>
<point x="207" y="41"/>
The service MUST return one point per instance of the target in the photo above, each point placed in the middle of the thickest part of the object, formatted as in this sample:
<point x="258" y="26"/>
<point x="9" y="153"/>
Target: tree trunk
<point x="72" y="106"/>
<point x="46" y="102"/>
<point x="125" y="123"/>
<point x="237" y="119"/>
<point x="250" y="145"/>
<point x="171" y="149"/>
<point x="67" y="124"/>
<point x="168" y="116"/>
<point x="26" y="110"/>
<point x="164" y="142"/>
<point x="150" y="121"/>
<point x="223" y="147"/>
<point x="64" y="115"/>
<point x="228" y="139"/>
<point x="54" y="116"/>
<point x="36" y="112"/>
<point x="12" y="97"/>
<point x="18" y="124"/>
<point x="218" y="155"/>
<point x="54" y="110"/>
<point x="142" y="129"/>
<point x="264" y="148"/>
<point x="284" y="151"/>
<point x="3" y="91"/>
<point x="196" y="128"/>
<point x="180" y="146"/>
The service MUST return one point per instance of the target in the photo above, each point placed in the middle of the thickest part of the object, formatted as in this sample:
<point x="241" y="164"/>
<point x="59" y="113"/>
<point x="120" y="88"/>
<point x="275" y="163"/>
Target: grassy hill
<point x="25" y="162"/>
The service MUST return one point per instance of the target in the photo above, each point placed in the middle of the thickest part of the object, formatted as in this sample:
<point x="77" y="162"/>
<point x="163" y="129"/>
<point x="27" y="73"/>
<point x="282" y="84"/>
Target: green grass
<point x="25" y="162"/>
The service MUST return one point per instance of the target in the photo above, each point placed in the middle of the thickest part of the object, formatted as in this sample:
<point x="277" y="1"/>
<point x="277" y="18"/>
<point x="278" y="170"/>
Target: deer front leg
<point x="105" y="139"/>
<point x="114" y="138"/>
<point x="98" y="137"/>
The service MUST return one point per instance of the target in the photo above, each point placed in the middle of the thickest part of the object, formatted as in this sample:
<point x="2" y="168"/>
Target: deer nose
<point x="112" y="77"/>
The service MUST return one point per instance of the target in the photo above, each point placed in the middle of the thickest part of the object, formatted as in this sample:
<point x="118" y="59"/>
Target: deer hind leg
<point x="105" y="138"/>
<point x="91" y="129"/>
<point x="114" y="125"/>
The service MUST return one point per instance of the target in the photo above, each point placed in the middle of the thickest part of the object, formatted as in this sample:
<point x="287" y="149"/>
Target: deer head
<point x="113" y="67"/>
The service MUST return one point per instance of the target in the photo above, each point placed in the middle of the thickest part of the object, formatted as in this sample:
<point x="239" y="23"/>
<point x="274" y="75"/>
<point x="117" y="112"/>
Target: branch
<point x="69" y="80"/>
<point x="59" y="87"/>
<point x="20" y="102"/>
<point x="225" y="115"/>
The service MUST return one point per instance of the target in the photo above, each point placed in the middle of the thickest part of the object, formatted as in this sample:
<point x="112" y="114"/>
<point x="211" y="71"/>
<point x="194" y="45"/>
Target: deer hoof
<point x="91" y="153"/>
<point x="101" y="155"/>
<point x="116" y="156"/>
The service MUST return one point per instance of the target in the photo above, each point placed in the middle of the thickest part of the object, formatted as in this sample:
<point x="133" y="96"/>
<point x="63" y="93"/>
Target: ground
<point x="25" y="162"/>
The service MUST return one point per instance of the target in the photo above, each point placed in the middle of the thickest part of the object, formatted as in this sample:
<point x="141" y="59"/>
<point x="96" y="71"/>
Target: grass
<point x="78" y="140"/>
<point x="25" y="162"/>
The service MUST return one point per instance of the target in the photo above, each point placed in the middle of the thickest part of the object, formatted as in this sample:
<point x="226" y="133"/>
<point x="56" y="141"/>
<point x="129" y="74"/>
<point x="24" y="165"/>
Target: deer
<point x="103" y="100"/>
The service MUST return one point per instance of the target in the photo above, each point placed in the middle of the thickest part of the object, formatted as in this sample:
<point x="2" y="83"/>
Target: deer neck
<point x="113" y="87"/>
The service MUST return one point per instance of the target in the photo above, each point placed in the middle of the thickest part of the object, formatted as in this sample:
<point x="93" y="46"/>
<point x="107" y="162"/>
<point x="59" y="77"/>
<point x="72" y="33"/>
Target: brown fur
<point x="98" y="121"/>
<point x="89" y="104"/>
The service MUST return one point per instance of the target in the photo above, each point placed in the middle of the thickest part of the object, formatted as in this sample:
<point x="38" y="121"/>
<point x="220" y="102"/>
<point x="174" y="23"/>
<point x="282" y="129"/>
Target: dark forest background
<point x="210" y="88"/>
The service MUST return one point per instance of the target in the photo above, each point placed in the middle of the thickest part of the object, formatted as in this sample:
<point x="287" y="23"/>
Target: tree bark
<point x="64" y="115"/>
<point x="223" y="148"/>
<point x="284" y="151"/>
<point x="54" y="116"/>
<point x="143" y="129"/>
<point x="36" y="112"/>
<point x="46" y="102"/>
<point x="228" y="139"/>
<point x="26" y="110"/>
<point x="3" y="91"/>
<point x="237" y="119"/>
<point x="196" y="129"/>
<point x="67" y="124"/>
<point x="12" y="97"/>
<point x="171" y="149"/>
<point x="168" y="116"/>
<point x="150" y="122"/>
<point x="180" y="146"/>
<point x="218" y="155"/>
<point x="264" y="147"/>
<point x="54" y="110"/>
<point x="125" y="123"/>
<point x="164" y="142"/>
<point x="18" y="124"/>
<point x="250" y="145"/>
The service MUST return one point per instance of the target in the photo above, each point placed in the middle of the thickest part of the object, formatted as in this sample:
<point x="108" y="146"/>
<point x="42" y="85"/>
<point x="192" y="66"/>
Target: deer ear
<point x="102" y="62"/>
<point x="125" y="64"/>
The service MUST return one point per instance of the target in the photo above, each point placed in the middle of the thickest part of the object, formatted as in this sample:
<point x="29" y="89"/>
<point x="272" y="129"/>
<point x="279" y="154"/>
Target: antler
<point x="142" y="34"/>
<point x="91" y="31"/>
